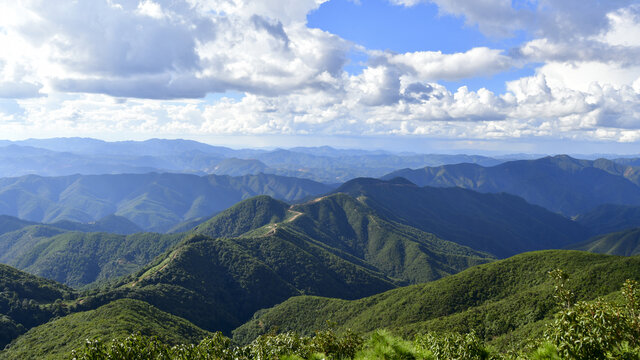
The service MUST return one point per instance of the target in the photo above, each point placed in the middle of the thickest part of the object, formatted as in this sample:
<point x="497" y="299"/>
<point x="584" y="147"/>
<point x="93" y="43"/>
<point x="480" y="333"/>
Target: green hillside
<point x="117" y="320"/>
<point x="77" y="258"/>
<point x="624" y="243"/>
<point x="494" y="299"/>
<point x="500" y="224"/>
<point x="153" y="202"/>
<point x="243" y="217"/>
<point x="349" y="226"/>
<point x="560" y="183"/>
<point x="27" y="301"/>
<point x="333" y="246"/>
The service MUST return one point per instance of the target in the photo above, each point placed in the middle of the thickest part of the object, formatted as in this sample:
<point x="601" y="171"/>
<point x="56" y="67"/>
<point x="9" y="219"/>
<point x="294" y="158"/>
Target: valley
<point x="106" y="256"/>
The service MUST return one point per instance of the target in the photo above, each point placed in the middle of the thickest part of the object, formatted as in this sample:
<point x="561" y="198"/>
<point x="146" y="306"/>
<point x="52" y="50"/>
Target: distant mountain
<point x="78" y="258"/>
<point x="116" y="320"/>
<point x="494" y="300"/>
<point x="635" y="161"/>
<point x="12" y="223"/>
<point x="70" y="156"/>
<point x="26" y="301"/>
<point x="239" y="167"/>
<point x="610" y="218"/>
<point x="624" y="243"/>
<point x="153" y="202"/>
<point x="22" y="160"/>
<point x="500" y="224"/>
<point x="332" y="165"/>
<point x="262" y="251"/>
<point x="152" y="147"/>
<point x="561" y="183"/>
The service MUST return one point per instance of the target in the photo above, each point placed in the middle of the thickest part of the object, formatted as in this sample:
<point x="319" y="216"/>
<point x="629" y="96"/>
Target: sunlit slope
<point x="492" y="299"/>
<point x="500" y="224"/>
<point x="333" y="246"/>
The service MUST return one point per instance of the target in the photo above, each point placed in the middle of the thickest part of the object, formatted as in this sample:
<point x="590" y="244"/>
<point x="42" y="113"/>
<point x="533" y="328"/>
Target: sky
<point x="445" y="76"/>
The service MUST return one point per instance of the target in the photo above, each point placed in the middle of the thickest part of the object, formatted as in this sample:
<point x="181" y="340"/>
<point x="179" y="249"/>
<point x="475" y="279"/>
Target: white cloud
<point x="434" y="65"/>
<point x="82" y="55"/>
<point x="175" y="49"/>
<point x="545" y="18"/>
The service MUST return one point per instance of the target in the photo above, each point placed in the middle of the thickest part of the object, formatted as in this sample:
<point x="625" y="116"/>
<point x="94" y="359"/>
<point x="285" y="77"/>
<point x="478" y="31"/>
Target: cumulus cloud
<point x="179" y="49"/>
<point x="19" y="90"/>
<point x="545" y="18"/>
<point x="88" y="57"/>
<point x="434" y="65"/>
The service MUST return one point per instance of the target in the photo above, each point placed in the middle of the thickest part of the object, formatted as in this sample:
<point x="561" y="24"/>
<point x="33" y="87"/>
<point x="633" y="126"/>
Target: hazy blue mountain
<point x="500" y="224"/>
<point x="22" y="160"/>
<point x="12" y="223"/>
<point x="68" y="156"/>
<point x="610" y="218"/>
<point x="154" y="202"/>
<point x="239" y="167"/>
<point x="631" y="161"/>
<point x="561" y="183"/>
<point x="154" y="147"/>
<point x="333" y="165"/>
<point x="111" y="223"/>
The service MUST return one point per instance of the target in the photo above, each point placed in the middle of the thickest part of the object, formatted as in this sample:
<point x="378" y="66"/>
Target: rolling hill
<point x="262" y="251"/>
<point x="500" y="224"/>
<point x="560" y="183"/>
<point x="494" y="299"/>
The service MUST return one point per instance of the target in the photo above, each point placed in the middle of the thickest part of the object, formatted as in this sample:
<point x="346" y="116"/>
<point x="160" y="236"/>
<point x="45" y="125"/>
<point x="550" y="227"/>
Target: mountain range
<point x="153" y="202"/>
<point x="561" y="184"/>
<point x="352" y="243"/>
<point x="70" y="156"/>
<point x="459" y="247"/>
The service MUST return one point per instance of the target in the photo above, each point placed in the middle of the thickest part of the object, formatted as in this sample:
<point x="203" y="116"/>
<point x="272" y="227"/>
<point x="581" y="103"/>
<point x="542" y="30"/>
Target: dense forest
<point x="366" y="269"/>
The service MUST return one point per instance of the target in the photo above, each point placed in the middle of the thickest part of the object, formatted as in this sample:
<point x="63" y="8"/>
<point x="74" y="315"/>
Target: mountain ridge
<point x="560" y="183"/>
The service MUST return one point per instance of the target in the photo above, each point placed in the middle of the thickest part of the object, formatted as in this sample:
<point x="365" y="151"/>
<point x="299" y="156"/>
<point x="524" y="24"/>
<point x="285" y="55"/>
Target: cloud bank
<point x="151" y="67"/>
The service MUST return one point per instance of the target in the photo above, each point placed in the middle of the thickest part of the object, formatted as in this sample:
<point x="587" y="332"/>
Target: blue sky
<point x="378" y="24"/>
<point x="536" y="76"/>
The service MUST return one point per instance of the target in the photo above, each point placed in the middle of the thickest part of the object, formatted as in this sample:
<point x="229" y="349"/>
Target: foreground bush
<point x="597" y="329"/>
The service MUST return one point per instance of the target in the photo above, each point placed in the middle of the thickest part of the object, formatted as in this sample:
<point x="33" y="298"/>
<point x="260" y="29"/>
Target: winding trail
<point x="274" y="227"/>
